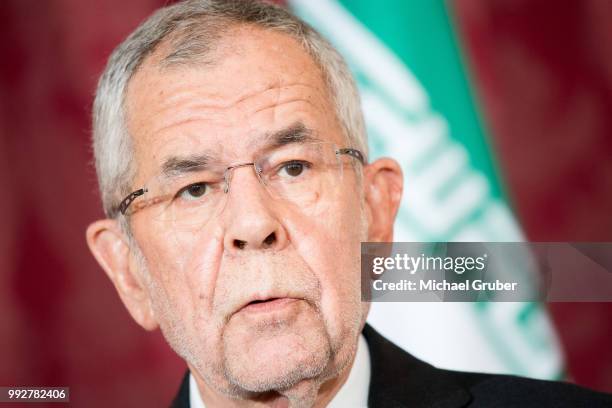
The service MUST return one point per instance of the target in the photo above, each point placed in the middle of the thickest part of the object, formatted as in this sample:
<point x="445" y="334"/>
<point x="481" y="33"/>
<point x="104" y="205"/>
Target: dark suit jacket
<point x="401" y="380"/>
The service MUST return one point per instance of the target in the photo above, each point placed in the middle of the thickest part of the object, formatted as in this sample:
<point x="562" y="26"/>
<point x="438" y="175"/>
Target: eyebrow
<point x="296" y="133"/>
<point x="177" y="165"/>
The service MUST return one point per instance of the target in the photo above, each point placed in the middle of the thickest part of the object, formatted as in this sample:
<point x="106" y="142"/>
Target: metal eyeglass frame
<point x="125" y="203"/>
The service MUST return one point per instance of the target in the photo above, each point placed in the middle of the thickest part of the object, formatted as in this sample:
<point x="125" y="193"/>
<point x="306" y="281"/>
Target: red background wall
<point x="543" y="71"/>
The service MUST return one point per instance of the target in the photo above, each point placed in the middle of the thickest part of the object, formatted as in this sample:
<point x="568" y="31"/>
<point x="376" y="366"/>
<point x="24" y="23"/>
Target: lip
<point x="268" y="305"/>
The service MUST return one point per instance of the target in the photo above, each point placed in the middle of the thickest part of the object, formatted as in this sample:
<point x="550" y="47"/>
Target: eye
<point x="193" y="191"/>
<point x="293" y="168"/>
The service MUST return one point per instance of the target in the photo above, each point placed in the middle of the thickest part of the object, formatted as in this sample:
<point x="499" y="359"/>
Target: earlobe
<point x="383" y="190"/>
<point x="108" y="244"/>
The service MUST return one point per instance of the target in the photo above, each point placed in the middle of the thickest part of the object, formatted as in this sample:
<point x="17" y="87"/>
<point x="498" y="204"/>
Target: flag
<point x="419" y="109"/>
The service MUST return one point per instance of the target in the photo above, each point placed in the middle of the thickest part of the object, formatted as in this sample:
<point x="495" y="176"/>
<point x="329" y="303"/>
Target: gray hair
<point x="192" y="27"/>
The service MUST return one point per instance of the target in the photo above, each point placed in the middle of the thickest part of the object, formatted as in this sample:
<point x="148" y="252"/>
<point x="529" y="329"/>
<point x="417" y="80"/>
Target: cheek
<point x="171" y="252"/>
<point x="330" y="245"/>
<point x="182" y="301"/>
<point x="184" y="269"/>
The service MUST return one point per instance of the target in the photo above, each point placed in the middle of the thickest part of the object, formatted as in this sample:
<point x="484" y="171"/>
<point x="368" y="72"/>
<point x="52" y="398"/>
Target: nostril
<point x="270" y="239"/>
<point x="239" y="243"/>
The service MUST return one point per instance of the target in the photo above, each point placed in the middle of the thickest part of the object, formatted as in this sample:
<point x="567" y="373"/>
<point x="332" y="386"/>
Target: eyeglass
<point x="301" y="174"/>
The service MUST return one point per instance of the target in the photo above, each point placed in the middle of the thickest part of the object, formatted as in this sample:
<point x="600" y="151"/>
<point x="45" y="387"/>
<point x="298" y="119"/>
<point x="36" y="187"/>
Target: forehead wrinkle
<point x="173" y="93"/>
<point x="192" y="101"/>
<point x="273" y="87"/>
<point x="188" y="110"/>
<point x="288" y="101"/>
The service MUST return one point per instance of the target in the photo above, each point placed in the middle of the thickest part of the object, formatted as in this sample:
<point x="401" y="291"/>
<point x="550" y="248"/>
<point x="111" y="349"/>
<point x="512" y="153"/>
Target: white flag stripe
<point x="415" y="139"/>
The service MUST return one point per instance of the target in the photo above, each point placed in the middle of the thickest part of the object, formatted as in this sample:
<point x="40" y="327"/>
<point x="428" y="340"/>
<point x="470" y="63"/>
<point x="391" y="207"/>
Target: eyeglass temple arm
<point x="125" y="203"/>
<point x="353" y="153"/>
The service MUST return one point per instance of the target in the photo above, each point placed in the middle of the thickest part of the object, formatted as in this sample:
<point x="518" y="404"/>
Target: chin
<point x="280" y="375"/>
<point x="273" y="355"/>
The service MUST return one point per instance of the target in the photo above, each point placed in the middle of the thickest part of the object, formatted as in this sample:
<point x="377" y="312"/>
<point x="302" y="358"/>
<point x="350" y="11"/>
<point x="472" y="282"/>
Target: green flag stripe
<point x="435" y="59"/>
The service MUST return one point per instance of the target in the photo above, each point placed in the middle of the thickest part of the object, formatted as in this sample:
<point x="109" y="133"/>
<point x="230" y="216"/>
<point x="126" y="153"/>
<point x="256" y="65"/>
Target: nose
<point x="250" y="221"/>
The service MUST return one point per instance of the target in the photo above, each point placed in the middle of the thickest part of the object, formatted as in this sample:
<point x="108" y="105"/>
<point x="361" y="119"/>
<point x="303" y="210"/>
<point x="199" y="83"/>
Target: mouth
<point x="270" y="304"/>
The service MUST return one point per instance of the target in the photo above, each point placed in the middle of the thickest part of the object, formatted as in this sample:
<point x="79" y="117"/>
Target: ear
<point x="383" y="184"/>
<point x="110" y="247"/>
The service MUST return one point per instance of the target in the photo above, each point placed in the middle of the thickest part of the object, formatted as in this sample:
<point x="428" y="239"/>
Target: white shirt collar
<point x="354" y="392"/>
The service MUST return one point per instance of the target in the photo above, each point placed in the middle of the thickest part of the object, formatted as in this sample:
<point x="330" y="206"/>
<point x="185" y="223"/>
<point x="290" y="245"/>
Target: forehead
<point x="258" y="81"/>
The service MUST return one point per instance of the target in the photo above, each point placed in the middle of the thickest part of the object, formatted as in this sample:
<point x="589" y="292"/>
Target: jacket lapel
<point x="401" y="380"/>
<point x="182" y="398"/>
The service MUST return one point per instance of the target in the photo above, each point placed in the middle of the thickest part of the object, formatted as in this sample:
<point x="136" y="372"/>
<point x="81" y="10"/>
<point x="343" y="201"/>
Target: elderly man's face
<point x="264" y="293"/>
